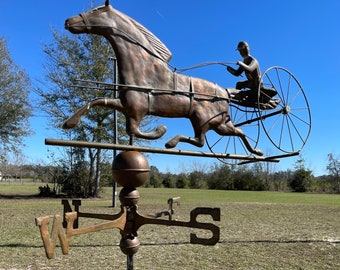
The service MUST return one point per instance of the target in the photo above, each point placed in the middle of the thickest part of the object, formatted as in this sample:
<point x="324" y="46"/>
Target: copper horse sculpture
<point x="149" y="87"/>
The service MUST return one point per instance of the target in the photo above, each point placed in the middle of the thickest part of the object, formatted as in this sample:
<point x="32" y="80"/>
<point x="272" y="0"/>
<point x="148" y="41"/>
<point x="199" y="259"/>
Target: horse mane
<point x="162" y="51"/>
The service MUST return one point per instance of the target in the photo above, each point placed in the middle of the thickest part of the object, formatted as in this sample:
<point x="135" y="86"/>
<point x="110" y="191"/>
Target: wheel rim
<point x="289" y="124"/>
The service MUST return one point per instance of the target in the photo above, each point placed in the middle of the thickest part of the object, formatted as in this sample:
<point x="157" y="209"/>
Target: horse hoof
<point x="70" y="123"/>
<point x="258" y="152"/>
<point x="172" y="143"/>
<point x="160" y="131"/>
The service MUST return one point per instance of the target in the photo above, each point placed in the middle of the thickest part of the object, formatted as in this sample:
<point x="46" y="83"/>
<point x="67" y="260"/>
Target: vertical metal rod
<point x="115" y="74"/>
<point x="129" y="262"/>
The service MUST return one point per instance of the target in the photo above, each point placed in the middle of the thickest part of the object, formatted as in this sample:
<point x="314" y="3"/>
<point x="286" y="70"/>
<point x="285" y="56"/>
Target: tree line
<point x="254" y="177"/>
<point x="57" y="180"/>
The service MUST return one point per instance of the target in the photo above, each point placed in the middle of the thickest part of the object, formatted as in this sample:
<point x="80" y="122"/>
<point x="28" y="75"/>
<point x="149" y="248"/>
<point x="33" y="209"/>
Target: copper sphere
<point x="129" y="196"/>
<point x="129" y="245"/>
<point x="130" y="169"/>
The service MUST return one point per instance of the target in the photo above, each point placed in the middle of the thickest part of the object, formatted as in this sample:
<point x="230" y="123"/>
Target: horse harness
<point x="174" y="91"/>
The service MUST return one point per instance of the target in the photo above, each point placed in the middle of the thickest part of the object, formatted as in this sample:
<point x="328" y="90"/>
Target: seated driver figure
<point x="249" y="66"/>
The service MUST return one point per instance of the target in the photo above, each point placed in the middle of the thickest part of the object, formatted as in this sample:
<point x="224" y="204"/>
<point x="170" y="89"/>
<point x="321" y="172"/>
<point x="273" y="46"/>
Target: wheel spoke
<point x="289" y="117"/>
<point x="290" y="134"/>
<point x="299" y="118"/>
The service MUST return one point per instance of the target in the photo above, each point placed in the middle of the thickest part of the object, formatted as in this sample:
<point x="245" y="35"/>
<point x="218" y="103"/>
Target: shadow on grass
<point x="31" y="196"/>
<point x="307" y="241"/>
<point x="20" y="196"/>
<point x="20" y="245"/>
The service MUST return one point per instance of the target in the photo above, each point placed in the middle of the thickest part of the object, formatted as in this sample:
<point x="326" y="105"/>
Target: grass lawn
<point x="259" y="230"/>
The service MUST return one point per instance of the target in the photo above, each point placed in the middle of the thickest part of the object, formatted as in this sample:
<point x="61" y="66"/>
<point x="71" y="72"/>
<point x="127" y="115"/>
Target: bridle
<point x="85" y="19"/>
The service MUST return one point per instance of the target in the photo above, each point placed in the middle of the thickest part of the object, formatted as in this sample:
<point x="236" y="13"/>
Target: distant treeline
<point x="256" y="177"/>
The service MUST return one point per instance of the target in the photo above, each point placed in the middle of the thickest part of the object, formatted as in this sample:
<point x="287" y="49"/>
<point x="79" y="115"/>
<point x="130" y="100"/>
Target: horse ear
<point x="107" y="2"/>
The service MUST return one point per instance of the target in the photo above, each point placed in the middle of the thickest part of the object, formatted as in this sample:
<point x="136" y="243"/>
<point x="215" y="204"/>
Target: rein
<point x="203" y="65"/>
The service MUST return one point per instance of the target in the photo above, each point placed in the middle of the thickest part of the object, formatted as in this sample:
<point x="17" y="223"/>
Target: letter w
<point x="57" y="231"/>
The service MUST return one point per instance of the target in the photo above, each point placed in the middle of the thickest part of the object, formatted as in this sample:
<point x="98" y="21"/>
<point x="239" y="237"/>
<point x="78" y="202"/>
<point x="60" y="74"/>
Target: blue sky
<point x="302" y="37"/>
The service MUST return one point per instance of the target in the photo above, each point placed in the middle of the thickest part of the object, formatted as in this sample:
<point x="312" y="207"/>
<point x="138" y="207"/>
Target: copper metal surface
<point x="58" y="142"/>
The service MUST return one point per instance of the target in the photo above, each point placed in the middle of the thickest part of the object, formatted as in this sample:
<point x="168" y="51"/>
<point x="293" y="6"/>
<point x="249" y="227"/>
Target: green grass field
<point x="259" y="230"/>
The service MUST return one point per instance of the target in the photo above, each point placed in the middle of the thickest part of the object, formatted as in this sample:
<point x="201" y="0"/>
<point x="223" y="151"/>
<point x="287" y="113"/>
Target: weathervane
<point x="147" y="86"/>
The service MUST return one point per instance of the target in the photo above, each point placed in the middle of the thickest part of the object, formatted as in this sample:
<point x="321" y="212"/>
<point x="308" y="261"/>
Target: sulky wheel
<point x="242" y="117"/>
<point x="284" y="110"/>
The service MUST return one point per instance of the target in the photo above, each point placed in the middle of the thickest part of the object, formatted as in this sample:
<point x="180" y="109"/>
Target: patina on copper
<point x="143" y="62"/>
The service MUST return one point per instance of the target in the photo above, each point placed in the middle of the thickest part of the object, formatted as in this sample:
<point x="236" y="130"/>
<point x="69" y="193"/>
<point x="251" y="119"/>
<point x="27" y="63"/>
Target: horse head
<point x="89" y="22"/>
<point x="112" y="24"/>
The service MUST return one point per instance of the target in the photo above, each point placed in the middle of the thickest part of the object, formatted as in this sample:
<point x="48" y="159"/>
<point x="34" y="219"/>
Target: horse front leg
<point x="105" y="102"/>
<point x="133" y="130"/>
<point x="198" y="140"/>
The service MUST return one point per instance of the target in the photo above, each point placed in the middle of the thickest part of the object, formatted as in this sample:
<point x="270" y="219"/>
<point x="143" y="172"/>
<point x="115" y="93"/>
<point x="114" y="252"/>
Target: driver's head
<point x="243" y="48"/>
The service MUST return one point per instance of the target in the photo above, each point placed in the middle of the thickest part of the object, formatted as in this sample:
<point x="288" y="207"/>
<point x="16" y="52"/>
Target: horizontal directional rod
<point x="109" y="146"/>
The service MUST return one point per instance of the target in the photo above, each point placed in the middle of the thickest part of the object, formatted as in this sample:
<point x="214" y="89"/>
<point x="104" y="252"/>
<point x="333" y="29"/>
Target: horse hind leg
<point x="228" y="129"/>
<point x="107" y="102"/>
<point x="248" y="146"/>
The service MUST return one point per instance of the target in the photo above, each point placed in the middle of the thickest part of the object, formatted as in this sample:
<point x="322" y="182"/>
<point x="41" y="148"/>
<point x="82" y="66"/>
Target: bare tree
<point x="333" y="168"/>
